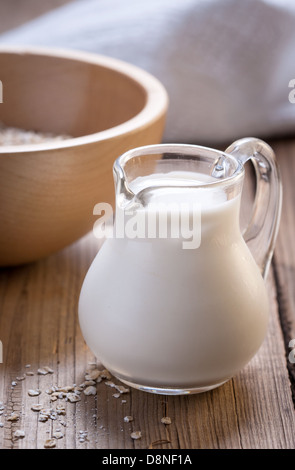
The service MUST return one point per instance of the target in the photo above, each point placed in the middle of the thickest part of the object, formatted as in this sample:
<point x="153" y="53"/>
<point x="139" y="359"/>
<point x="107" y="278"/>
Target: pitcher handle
<point x="262" y="229"/>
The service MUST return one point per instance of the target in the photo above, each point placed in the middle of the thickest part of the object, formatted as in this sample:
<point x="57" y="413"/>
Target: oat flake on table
<point x="136" y="435"/>
<point x="19" y="434"/>
<point x="49" y="443"/>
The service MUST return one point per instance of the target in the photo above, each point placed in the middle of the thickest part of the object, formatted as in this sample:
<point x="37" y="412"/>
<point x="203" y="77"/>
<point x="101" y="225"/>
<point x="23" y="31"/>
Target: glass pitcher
<point x="175" y="301"/>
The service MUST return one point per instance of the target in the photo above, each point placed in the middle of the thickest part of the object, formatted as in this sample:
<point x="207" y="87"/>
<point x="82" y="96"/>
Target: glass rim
<point x="186" y="150"/>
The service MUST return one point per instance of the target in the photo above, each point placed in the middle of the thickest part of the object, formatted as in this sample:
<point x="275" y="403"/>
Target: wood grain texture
<point x="284" y="258"/>
<point x="39" y="326"/>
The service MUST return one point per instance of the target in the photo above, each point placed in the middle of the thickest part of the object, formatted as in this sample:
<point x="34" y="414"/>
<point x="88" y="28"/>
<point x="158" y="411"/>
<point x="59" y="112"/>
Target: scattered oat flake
<point x="116" y="395"/>
<point x="93" y="374"/>
<point x="166" y="420"/>
<point x="27" y="366"/>
<point x="37" y="407"/>
<point x="19" y="434"/>
<point x="58" y="395"/>
<point x="21" y="378"/>
<point x="122" y="389"/>
<point x="109" y="383"/>
<point x="13" y="417"/>
<point x="34" y="393"/>
<point x="83" y="436"/>
<point x="66" y="389"/>
<point x="105" y="374"/>
<point x="49" y="443"/>
<point x="58" y="435"/>
<point x="90" y="390"/>
<point x="123" y="402"/>
<point x="60" y="409"/>
<point x="43" y="418"/>
<point x="13" y="383"/>
<point x="30" y="373"/>
<point x="89" y="382"/>
<point x="1" y="425"/>
<point x="49" y="370"/>
<point x="128" y="419"/>
<point x="72" y="397"/>
<point x="136" y="435"/>
<point x="42" y="372"/>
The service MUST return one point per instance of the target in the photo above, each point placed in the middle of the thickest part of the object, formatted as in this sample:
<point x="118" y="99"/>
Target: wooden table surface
<point x="39" y="327"/>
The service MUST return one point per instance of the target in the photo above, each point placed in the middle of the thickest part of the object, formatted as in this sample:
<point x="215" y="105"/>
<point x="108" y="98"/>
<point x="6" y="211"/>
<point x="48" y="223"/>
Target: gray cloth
<point x="226" y="64"/>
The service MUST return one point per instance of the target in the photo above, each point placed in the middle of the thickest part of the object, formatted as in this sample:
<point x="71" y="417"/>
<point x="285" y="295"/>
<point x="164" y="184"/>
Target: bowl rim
<point x="156" y="102"/>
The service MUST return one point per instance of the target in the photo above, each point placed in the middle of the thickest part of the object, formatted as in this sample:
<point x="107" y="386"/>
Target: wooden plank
<point x="284" y="259"/>
<point x="39" y="326"/>
<point x="263" y="395"/>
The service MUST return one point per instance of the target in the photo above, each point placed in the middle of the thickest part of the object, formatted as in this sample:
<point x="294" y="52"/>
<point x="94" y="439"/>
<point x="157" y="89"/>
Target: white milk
<point x="158" y="315"/>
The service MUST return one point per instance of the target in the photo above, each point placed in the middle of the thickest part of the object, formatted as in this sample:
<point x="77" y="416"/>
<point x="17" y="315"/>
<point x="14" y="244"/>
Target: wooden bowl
<point x="48" y="190"/>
